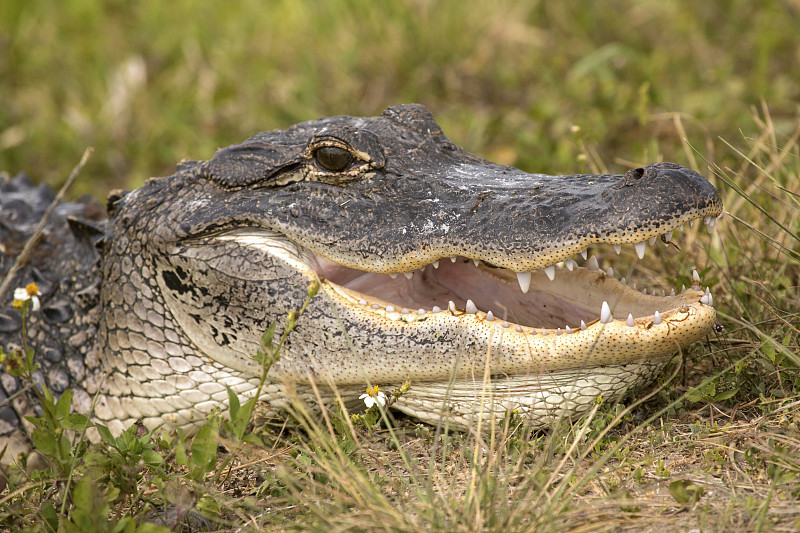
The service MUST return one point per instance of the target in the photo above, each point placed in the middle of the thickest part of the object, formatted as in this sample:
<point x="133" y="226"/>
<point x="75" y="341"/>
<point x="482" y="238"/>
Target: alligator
<point x="467" y="278"/>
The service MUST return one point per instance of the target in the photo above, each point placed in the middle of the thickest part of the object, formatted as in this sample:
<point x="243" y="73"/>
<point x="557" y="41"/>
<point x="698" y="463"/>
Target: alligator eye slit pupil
<point x="333" y="158"/>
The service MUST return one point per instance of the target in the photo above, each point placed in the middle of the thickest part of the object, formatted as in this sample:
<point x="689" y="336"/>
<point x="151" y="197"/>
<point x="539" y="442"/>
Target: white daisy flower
<point x="372" y="396"/>
<point x="29" y="292"/>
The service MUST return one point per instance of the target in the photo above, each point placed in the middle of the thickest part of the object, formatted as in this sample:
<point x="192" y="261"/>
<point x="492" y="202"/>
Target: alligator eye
<point x="333" y="158"/>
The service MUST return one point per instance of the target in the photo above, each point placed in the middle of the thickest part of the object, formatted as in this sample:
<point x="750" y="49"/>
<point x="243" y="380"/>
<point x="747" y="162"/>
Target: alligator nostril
<point x="633" y="175"/>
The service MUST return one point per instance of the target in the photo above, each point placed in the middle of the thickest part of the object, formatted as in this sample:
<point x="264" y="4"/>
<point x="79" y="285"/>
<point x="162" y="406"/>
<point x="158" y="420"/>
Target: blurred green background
<point x="552" y="87"/>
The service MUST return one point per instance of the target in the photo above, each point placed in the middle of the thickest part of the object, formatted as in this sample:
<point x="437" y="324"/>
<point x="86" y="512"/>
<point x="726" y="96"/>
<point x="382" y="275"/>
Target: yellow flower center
<point x="32" y="289"/>
<point x="373" y="391"/>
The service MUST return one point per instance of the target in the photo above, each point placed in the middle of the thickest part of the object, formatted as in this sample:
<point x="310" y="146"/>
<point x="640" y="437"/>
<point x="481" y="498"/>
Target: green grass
<point x="547" y="86"/>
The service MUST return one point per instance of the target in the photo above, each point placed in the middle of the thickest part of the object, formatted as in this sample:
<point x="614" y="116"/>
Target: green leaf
<point x="233" y="403"/>
<point x="204" y="447"/>
<point x="725" y="395"/>
<point x="180" y="450"/>
<point x="694" y="394"/>
<point x="76" y="422"/>
<point x="83" y="495"/>
<point x="50" y="517"/>
<point x="63" y="404"/>
<point x="266" y="338"/>
<point x="152" y="458"/>
<point x="44" y="441"/>
<point x="208" y="507"/>
<point x="48" y="397"/>
<point x="685" y="492"/>
<point x="126" y="525"/>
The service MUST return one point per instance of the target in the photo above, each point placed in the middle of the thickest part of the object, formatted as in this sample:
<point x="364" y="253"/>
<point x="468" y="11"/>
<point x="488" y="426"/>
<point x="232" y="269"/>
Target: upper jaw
<point x="502" y="216"/>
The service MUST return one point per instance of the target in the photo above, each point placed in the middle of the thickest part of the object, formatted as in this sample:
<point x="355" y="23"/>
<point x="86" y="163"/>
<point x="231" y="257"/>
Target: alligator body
<point x="436" y="266"/>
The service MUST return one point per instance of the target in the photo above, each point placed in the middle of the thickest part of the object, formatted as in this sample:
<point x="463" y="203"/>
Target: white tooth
<point x="376" y="306"/>
<point x="560" y="265"/>
<point x="610" y="272"/>
<point x="584" y="254"/>
<point x="657" y="319"/>
<point x="663" y="293"/>
<point x="524" y="279"/>
<point x="568" y="330"/>
<point x="551" y="272"/>
<point x="605" y="314"/>
<point x="652" y="241"/>
<point x="362" y="302"/>
<point x="393" y="275"/>
<point x="639" y="249"/>
<point x="420" y="311"/>
<point x="570" y="264"/>
<point x="707" y="219"/>
<point x="695" y="276"/>
<point x="710" y="298"/>
<point x="691" y="223"/>
<point x="390" y="309"/>
<point x="591" y="264"/>
<point x="622" y="281"/>
<point x="644" y="291"/>
<point x="704" y="299"/>
<point x="451" y="306"/>
<point x="583" y="325"/>
<point x="436" y="309"/>
<point x="436" y="264"/>
<point x="668" y="236"/>
<point x="558" y="331"/>
<point x="453" y="259"/>
<point x="633" y="285"/>
<point x="408" y="275"/>
<point x="422" y="269"/>
<point x="672" y="292"/>
<point x="618" y="248"/>
<point x="470" y="307"/>
<point x="505" y="324"/>
<point x="630" y="323"/>
<point x="518" y="329"/>
<point x="680" y="227"/>
<point x="404" y="311"/>
<point x="710" y="223"/>
<point x="476" y="262"/>
<point x="489" y="317"/>
<point x="683" y="288"/>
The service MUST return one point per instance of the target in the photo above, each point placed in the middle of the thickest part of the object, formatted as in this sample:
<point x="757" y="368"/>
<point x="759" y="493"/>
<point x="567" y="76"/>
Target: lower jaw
<point x="538" y="400"/>
<point x="463" y="344"/>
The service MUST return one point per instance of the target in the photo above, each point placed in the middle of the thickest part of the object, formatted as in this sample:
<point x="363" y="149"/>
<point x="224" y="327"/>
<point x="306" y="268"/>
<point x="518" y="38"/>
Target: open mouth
<point x="561" y="298"/>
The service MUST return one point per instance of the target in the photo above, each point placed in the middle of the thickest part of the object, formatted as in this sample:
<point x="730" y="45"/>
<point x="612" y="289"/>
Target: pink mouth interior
<point x="547" y="304"/>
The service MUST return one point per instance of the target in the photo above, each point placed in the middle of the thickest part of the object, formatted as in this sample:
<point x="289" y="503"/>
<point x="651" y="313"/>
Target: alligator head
<point x="436" y="266"/>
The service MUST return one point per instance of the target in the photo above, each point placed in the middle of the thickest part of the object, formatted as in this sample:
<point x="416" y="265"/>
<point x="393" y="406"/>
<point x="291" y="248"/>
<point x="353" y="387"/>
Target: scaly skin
<point x="192" y="269"/>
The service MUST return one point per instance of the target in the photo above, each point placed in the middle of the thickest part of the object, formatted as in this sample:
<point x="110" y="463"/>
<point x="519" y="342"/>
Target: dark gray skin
<point x="414" y="180"/>
<point x="176" y="298"/>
